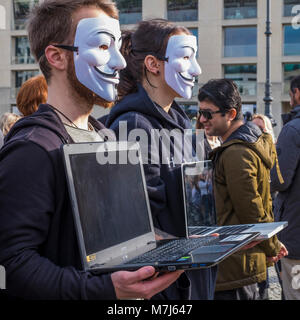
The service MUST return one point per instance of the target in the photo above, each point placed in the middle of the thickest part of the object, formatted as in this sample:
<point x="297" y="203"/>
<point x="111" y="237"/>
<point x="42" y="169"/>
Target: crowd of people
<point x="87" y="61"/>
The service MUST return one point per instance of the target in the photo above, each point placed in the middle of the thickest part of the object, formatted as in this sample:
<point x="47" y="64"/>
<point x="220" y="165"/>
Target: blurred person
<point x="72" y="40"/>
<point x="264" y="123"/>
<point x="287" y="202"/>
<point x="7" y="120"/>
<point x="241" y="186"/>
<point x="32" y="93"/>
<point x="1" y="139"/>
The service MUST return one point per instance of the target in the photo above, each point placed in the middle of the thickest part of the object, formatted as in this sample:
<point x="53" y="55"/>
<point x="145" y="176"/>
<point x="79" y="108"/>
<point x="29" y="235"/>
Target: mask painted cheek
<point x="96" y="57"/>
<point x="180" y="65"/>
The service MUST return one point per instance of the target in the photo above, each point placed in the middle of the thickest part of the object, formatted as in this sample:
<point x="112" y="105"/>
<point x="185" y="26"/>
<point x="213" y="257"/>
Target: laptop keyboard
<point x="173" y="250"/>
<point x="222" y="230"/>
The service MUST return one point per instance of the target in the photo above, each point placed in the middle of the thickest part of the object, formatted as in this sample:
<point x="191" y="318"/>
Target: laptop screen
<point x="108" y="197"/>
<point x="198" y="194"/>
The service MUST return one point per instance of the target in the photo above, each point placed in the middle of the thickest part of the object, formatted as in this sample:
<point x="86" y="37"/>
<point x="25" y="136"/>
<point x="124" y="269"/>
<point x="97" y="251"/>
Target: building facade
<point x="231" y="38"/>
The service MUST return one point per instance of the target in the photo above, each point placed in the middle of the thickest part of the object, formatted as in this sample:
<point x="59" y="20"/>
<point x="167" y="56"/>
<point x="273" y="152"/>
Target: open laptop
<point x="113" y="219"/>
<point x="200" y="213"/>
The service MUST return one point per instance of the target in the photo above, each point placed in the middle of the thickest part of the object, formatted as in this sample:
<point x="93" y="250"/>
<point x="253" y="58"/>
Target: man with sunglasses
<point x="241" y="186"/>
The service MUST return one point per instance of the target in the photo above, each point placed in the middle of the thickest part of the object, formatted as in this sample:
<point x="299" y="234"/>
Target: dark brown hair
<point x="32" y="93"/>
<point x="51" y="22"/>
<point x="150" y="37"/>
<point x="224" y="94"/>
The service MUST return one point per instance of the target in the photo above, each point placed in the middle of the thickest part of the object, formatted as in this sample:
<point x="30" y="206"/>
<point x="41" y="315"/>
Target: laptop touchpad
<point x="213" y="249"/>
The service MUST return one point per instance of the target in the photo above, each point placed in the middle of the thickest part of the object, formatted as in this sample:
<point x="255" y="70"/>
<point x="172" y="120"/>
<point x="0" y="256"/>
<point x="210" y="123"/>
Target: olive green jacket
<point x="242" y="195"/>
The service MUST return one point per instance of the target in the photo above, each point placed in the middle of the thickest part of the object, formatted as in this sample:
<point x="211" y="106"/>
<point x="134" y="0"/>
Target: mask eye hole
<point x="186" y="58"/>
<point x="103" y="47"/>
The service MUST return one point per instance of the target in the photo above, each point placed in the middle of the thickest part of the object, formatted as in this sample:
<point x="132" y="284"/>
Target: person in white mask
<point x="76" y="43"/>
<point x="161" y="66"/>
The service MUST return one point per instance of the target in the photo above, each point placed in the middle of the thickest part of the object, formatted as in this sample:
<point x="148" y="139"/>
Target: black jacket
<point x="38" y="245"/>
<point x="287" y="202"/>
<point x="163" y="180"/>
<point x="164" y="176"/>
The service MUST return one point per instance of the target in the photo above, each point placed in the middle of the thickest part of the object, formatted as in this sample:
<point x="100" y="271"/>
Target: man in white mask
<point x="76" y="43"/>
<point x="98" y="58"/>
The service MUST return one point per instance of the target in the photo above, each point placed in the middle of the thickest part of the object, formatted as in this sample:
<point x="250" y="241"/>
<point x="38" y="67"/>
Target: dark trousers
<point x="203" y="283"/>
<point x="244" y="293"/>
<point x="263" y="288"/>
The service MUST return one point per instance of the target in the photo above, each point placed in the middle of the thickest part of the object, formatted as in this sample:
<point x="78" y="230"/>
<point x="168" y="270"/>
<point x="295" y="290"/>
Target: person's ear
<point x="56" y="57"/>
<point x="152" y="64"/>
<point x="232" y="114"/>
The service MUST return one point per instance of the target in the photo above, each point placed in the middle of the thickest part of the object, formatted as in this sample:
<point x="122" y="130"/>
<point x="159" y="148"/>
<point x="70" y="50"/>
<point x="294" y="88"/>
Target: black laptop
<point x="113" y="219"/>
<point x="199" y="205"/>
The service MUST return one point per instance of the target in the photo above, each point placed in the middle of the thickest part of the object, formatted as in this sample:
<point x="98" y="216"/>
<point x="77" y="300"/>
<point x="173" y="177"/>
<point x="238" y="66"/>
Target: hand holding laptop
<point x="132" y="285"/>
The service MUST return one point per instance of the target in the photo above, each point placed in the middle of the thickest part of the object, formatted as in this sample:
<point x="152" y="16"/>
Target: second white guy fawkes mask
<point x="98" y="58"/>
<point x="181" y="66"/>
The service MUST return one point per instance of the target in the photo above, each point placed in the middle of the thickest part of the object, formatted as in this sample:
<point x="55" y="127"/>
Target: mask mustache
<point x="187" y="79"/>
<point x="108" y="75"/>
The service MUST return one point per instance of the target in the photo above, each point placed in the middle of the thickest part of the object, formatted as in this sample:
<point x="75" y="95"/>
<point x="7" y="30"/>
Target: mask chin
<point x="182" y="85"/>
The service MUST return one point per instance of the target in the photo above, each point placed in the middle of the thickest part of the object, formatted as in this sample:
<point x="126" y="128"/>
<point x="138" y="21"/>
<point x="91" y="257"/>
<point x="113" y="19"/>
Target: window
<point x="21" y="10"/>
<point x="2" y="18"/>
<point x="182" y="10"/>
<point x="194" y="32"/>
<point x="244" y="76"/>
<point x="288" y="7"/>
<point x="248" y="109"/>
<point x="240" y="42"/>
<point x="22" y="51"/>
<point x="191" y="111"/>
<point x="290" y="70"/>
<point x="240" y="9"/>
<point x="291" y="41"/>
<point x="19" y="77"/>
<point x="130" y="11"/>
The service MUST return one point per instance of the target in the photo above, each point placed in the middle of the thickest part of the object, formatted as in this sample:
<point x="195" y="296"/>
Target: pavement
<point x="274" y="289"/>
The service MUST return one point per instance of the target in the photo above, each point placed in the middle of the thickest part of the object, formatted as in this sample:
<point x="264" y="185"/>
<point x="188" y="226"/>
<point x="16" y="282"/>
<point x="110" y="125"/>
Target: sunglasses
<point x="207" y="114"/>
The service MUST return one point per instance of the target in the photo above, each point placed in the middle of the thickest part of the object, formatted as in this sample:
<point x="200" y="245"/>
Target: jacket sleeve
<point x="240" y="168"/>
<point x="288" y="152"/>
<point x="27" y="202"/>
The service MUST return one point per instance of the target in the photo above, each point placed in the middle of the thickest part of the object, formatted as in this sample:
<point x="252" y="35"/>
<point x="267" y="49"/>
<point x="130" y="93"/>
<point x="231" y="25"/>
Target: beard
<point x="82" y="92"/>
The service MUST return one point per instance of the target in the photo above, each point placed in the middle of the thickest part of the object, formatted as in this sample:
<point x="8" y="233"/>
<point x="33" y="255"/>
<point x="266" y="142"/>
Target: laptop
<point x="113" y="219"/>
<point x="199" y="205"/>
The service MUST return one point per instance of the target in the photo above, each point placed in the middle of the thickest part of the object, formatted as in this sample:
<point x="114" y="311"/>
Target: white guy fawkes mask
<point x="98" y="58"/>
<point x="181" y="68"/>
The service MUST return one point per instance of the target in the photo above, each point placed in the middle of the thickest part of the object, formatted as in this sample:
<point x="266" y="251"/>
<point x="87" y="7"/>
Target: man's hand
<point x="142" y="283"/>
<point x="282" y="253"/>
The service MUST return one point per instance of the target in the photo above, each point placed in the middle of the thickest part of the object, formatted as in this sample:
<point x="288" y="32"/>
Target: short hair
<point x="295" y="83"/>
<point x="7" y="120"/>
<point x="51" y="22"/>
<point x="224" y="94"/>
<point x="32" y="93"/>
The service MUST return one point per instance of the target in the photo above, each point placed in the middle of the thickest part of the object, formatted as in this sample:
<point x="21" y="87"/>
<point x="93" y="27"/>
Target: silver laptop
<point x="200" y="213"/>
<point x="113" y="219"/>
